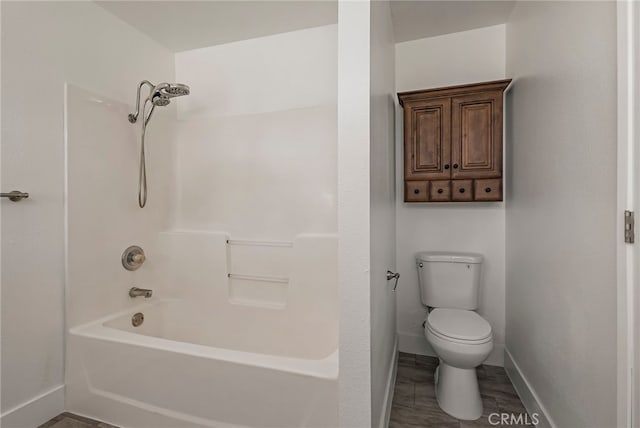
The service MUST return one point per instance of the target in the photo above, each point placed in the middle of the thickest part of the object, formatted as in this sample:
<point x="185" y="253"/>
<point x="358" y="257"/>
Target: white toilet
<point x="461" y="338"/>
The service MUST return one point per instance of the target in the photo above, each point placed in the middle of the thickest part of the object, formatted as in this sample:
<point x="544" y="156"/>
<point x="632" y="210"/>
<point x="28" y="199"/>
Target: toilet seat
<point x="458" y="325"/>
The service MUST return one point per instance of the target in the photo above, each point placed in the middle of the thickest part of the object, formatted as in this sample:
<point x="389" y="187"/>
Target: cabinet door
<point x="427" y="142"/>
<point x="476" y="135"/>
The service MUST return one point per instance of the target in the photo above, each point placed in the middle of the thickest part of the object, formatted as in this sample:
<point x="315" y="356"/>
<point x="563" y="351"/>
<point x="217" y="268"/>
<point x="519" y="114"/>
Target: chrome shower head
<point x="170" y="90"/>
<point x="160" y="100"/>
<point x="176" y="90"/>
<point x="159" y="96"/>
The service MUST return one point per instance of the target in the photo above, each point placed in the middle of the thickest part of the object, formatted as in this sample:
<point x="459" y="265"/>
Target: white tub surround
<point x="165" y="373"/>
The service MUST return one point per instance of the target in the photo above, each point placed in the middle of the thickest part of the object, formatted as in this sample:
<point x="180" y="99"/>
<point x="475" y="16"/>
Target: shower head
<point x="170" y="90"/>
<point x="159" y="96"/>
<point x="160" y="100"/>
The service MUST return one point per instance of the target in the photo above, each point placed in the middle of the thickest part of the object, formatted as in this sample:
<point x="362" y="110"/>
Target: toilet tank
<point x="448" y="279"/>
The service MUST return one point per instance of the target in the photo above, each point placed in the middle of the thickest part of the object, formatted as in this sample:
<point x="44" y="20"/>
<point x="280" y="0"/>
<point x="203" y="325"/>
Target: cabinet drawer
<point x="440" y="191"/>
<point x="462" y="190"/>
<point x="488" y="190"/>
<point x="416" y="191"/>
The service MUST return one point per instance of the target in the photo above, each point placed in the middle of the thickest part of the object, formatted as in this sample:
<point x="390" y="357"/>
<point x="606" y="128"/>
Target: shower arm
<point x="133" y="117"/>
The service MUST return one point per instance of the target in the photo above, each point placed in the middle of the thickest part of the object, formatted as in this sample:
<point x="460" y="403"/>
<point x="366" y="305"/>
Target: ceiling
<point x="183" y="24"/>
<point x="419" y="19"/>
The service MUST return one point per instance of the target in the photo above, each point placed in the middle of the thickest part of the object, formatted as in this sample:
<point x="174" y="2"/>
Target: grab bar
<point x="259" y="243"/>
<point x="278" y="279"/>
<point x="15" y="195"/>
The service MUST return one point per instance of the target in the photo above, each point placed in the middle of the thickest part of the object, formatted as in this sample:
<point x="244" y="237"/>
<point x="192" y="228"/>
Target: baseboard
<point x="526" y="392"/>
<point x="413" y="344"/>
<point x="391" y="382"/>
<point x="36" y="411"/>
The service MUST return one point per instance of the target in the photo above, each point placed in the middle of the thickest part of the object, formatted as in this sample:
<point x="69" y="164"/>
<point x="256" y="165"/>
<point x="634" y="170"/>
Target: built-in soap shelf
<point x="258" y="272"/>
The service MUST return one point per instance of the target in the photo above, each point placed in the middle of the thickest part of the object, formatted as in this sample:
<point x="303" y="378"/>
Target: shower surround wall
<point x="257" y="162"/>
<point x="257" y="136"/>
<point x="247" y="239"/>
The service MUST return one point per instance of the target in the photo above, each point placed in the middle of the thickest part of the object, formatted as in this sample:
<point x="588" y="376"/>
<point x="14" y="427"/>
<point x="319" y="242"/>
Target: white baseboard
<point x="526" y="392"/>
<point x="36" y="411"/>
<point x="413" y="344"/>
<point x="391" y="382"/>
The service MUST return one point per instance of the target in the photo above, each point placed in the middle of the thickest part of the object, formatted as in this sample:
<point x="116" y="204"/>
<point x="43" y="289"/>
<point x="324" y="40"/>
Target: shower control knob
<point x="133" y="257"/>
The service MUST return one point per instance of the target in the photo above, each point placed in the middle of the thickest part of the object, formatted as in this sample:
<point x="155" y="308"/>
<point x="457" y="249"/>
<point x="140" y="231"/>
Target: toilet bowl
<point x="462" y="340"/>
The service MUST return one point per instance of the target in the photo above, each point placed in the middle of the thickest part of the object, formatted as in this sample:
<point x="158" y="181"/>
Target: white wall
<point x="44" y="45"/>
<point x="353" y="213"/>
<point x="561" y="205"/>
<point x="466" y="57"/>
<point x="382" y="202"/>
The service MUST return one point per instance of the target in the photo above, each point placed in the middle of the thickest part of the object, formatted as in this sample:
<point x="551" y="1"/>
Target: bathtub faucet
<point x="136" y="292"/>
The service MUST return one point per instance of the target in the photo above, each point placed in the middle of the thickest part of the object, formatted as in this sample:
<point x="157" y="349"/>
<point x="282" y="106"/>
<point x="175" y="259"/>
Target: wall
<point x="41" y="50"/>
<point x="256" y="161"/>
<point x="354" y="213"/>
<point x="466" y="57"/>
<point x="258" y="133"/>
<point x="561" y="204"/>
<point x="383" y="222"/>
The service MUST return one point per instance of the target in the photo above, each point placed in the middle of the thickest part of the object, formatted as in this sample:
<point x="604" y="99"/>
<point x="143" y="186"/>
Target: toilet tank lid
<point x="451" y="257"/>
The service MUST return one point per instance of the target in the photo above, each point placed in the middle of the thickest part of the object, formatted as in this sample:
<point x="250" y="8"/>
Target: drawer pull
<point x="488" y="189"/>
<point x="416" y="191"/>
<point x="461" y="190"/>
<point x="440" y="190"/>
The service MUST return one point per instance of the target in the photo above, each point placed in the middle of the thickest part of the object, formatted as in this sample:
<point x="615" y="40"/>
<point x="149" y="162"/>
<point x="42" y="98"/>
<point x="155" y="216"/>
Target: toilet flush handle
<point x="393" y="275"/>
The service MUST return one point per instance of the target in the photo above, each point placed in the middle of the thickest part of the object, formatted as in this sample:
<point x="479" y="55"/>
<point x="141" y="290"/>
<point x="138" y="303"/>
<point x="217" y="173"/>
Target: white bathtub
<point x="186" y="367"/>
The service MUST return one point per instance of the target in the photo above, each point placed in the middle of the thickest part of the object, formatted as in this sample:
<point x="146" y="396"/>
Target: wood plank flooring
<point x="69" y="420"/>
<point x="414" y="401"/>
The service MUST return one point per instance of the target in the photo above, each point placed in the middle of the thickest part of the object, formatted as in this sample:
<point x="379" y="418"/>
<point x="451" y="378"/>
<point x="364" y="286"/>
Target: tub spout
<point x="136" y="292"/>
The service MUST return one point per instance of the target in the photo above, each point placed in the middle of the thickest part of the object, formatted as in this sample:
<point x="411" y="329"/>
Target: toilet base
<point x="457" y="392"/>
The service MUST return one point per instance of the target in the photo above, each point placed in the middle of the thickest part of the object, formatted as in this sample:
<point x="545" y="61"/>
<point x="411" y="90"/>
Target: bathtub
<point x="184" y="366"/>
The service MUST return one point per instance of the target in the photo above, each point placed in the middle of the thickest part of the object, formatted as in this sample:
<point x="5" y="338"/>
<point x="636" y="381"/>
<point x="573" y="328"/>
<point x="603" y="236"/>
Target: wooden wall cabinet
<point x="453" y="143"/>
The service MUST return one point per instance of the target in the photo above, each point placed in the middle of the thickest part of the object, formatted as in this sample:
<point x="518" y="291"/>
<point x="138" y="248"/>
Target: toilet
<point x="461" y="338"/>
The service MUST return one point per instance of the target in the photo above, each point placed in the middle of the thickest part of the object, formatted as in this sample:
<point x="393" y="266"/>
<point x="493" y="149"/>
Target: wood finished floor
<point x="414" y="400"/>
<point x="69" y="420"/>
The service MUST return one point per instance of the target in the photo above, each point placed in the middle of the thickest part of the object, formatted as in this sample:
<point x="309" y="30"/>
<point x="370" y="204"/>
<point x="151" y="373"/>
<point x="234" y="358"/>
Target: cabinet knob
<point x="461" y="190"/>
<point x="488" y="189"/>
<point x="440" y="190"/>
<point x="455" y="166"/>
<point x="416" y="191"/>
<point x="446" y="166"/>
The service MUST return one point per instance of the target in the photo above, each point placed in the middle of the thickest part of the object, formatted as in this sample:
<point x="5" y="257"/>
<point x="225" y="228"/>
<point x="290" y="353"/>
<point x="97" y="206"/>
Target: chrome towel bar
<point x="15" y="195"/>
